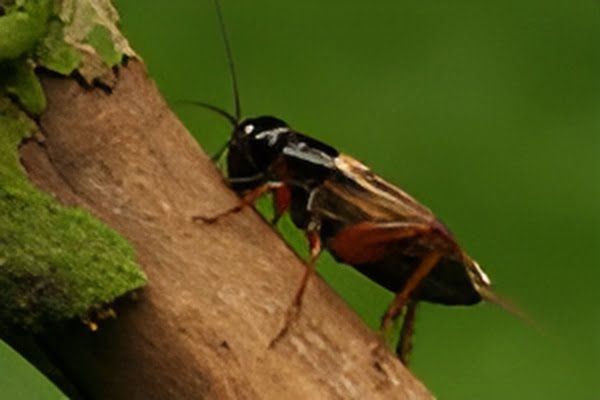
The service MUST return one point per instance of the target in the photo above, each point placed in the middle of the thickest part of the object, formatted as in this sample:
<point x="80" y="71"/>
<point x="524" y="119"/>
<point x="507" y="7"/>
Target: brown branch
<point x="217" y="294"/>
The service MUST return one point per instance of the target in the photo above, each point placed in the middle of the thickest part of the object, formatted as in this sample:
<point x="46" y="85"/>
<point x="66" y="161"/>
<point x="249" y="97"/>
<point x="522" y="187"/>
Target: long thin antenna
<point x="232" y="119"/>
<point x="236" y="93"/>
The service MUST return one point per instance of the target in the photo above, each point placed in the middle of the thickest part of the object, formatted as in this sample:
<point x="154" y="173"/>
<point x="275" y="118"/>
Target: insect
<point x="345" y="208"/>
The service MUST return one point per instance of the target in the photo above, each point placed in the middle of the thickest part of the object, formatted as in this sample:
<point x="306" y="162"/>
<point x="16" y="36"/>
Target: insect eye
<point x="248" y="129"/>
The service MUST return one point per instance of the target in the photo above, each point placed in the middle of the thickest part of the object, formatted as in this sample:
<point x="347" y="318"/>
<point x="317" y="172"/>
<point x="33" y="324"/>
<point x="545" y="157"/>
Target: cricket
<point x="345" y="208"/>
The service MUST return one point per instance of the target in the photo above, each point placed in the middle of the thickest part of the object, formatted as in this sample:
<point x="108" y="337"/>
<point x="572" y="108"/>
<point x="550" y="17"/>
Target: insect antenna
<point x="232" y="120"/>
<point x="235" y="118"/>
<point x="236" y="92"/>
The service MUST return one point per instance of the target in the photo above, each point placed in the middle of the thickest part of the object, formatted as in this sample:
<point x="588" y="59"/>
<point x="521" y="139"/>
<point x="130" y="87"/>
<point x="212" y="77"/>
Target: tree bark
<point x="217" y="294"/>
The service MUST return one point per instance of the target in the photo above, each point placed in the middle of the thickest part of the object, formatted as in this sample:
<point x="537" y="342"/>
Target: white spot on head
<point x="248" y="129"/>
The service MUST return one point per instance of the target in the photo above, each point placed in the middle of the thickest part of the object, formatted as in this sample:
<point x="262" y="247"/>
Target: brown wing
<point x="383" y="232"/>
<point x="354" y="194"/>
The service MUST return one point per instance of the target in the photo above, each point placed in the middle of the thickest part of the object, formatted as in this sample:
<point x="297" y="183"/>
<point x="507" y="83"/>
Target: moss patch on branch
<point x="55" y="262"/>
<point x="64" y="36"/>
<point x="22" y="25"/>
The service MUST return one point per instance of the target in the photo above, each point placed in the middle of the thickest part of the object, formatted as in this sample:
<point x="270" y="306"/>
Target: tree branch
<point x="217" y="294"/>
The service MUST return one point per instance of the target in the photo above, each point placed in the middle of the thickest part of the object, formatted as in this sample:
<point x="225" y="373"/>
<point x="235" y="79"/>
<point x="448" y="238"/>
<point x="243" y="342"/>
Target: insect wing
<point x="383" y="232"/>
<point x="354" y="194"/>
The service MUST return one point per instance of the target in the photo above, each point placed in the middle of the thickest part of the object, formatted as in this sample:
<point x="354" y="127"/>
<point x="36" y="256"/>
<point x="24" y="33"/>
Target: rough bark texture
<point x="217" y="294"/>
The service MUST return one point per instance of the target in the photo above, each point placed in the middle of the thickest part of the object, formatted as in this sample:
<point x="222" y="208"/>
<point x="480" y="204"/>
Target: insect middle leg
<point x="314" y="243"/>
<point x="248" y="199"/>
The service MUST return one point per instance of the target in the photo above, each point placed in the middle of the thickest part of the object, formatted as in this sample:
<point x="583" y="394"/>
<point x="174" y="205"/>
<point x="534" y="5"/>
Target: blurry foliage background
<point x="488" y="112"/>
<point x="19" y="380"/>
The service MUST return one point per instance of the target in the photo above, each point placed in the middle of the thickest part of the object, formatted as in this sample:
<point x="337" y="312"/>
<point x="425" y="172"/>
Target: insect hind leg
<point x="403" y="297"/>
<point x="404" y="347"/>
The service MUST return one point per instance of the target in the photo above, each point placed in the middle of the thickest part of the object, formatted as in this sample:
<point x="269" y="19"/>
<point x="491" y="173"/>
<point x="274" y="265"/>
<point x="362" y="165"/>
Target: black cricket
<point x="345" y="208"/>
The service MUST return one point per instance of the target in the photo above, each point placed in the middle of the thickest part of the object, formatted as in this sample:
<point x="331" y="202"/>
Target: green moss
<point x="55" y="262"/>
<point x="83" y="34"/>
<point x="18" y="79"/>
<point x="100" y="38"/>
<point x="22" y="25"/>
<point x="61" y="36"/>
<point x="54" y="53"/>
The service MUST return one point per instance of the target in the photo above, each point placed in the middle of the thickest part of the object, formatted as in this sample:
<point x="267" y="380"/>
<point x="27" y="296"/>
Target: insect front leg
<point x="314" y="243"/>
<point x="248" y="199"/>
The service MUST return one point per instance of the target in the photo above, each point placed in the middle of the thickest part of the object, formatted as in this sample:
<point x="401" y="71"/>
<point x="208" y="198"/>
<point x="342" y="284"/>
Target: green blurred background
<point x="488" y="112"/>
